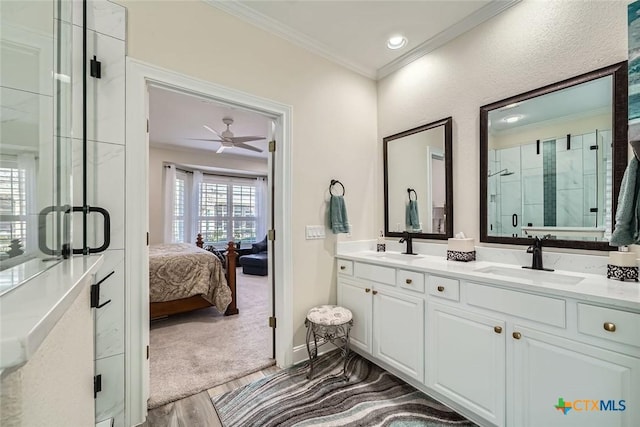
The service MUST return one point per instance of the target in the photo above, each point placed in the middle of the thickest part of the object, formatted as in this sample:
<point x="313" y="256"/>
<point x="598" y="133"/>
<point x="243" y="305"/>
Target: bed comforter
<point x="182" y="270"/>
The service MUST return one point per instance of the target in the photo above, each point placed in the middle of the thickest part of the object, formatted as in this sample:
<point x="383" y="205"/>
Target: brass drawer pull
<point x="342" y="267"/>
<point x="375" y="292"/>
<point x="517" y="335"/>
<point x="408" y="281"/>
<point x="610" y="327"/>
<point x="497" y="329"/>
<point x="367" y="290"/>
<point x="440" y="288"/>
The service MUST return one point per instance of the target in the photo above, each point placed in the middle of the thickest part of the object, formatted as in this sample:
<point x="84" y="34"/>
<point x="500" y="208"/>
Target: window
<point x="227" y="210"/>
<point x="179" y="208"/>
<point x="13" y="208"/>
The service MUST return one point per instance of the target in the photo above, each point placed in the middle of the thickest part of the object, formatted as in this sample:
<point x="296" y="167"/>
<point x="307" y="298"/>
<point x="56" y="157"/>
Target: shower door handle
<point x="514" y="220"/>
<point x="106" y="232"/>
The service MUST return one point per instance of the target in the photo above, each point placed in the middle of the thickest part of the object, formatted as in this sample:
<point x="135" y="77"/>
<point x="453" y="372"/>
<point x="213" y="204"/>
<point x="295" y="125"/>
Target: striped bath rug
<point x="371" y="397"/>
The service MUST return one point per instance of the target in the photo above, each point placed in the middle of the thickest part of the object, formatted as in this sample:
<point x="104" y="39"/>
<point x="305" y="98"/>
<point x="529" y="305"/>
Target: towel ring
<point x="411" y="190"/>
<point x="334" y="182"/>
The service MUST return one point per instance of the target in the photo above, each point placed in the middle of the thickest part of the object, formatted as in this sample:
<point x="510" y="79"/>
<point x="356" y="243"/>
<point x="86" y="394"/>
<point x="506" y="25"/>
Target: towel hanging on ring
<point x="338" y="220"/>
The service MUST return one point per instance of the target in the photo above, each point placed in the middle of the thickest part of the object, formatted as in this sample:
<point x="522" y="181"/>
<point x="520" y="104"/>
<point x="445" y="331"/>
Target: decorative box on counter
<point x="461" y="249"/>
<point x="622" y="265"/>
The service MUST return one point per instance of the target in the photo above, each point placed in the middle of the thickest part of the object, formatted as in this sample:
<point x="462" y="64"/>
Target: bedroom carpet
<point x="196" y="351"/>
<point x="371" y="397"/>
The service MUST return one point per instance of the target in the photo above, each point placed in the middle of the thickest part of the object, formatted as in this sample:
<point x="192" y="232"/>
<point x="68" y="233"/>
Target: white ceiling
<point x="175" y="117"/>
<point x="583" y="100"/>
<point x="352" y="33"/>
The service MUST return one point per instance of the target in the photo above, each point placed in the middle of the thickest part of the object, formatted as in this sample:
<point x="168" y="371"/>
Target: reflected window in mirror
<point x="552" y="161"/>
<point x="418" y="195"/>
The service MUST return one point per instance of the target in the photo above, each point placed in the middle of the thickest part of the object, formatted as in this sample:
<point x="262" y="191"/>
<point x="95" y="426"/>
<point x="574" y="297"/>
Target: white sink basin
<point x="536" y="276"/>
<point x="397" y="256"/>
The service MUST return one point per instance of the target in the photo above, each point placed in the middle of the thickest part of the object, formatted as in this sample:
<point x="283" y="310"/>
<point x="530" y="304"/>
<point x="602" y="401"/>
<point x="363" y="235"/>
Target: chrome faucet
<point x="536" y="250"/>
<point x="406" y="237"/>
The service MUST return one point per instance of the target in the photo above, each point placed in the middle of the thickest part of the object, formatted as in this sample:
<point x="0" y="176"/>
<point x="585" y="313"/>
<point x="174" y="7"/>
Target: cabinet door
<point x="549" y="371"/>
<point x="466" y="360"/>
<point x="398" y="328"/>
<point x="356" y="296"/>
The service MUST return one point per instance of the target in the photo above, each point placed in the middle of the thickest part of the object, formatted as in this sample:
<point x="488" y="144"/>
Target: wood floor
<point x="197" y="410"/>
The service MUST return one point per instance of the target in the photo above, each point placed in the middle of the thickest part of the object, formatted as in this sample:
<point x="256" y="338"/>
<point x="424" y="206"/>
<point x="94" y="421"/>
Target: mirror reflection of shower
<point x="503" y="172"/>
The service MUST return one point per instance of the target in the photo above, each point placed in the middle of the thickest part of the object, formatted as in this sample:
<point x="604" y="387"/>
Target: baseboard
<point x="300" y="353"/>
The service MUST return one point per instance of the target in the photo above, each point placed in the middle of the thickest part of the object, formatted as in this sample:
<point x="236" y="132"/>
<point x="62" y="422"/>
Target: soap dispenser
<point x="381" y="246"/>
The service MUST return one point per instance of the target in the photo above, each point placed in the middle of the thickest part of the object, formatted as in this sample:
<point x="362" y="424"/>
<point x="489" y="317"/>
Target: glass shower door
<point x="35" y="123"/>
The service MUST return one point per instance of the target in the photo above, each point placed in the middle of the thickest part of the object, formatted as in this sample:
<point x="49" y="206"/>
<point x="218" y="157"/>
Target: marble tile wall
<point x="106" y="186"/>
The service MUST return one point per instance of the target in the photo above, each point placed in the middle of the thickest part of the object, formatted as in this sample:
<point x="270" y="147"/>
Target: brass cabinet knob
<point x="367" y="290"/>
<point x="375" y="292"/>
<point x="497" y="329"/>
<point x="608" y="326"/>
<point x="517" y="335"/>
<point x="440" y="288"/>
<point x="342" y="267"/>
<point x="408" y="281"/>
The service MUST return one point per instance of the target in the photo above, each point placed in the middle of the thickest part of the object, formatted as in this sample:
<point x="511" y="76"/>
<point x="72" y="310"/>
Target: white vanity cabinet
<point x="501" y="354"/>
<point x="466" y="359"/>
<point x="547" y="368"/>
<point x="388" y="320"/>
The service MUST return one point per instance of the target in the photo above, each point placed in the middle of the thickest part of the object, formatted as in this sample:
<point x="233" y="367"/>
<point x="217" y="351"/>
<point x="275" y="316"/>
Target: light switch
<point x="314" y="232"/>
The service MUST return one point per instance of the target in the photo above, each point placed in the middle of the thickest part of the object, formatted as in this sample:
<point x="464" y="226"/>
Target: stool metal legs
<point x="337" y="335"/>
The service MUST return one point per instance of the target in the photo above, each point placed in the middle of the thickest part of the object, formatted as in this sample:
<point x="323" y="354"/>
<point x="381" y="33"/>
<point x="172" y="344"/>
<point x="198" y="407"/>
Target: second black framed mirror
<point x="418" y="182"/>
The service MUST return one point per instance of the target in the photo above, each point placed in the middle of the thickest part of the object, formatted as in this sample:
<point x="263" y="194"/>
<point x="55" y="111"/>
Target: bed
<point x="184" y="277"/>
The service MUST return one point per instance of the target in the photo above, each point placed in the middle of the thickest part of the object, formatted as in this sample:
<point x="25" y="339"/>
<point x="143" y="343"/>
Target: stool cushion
<point x="329" y="315"/>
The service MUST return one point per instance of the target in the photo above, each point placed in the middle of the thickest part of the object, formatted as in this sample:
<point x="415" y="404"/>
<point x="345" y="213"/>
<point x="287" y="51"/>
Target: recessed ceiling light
<point x="515" y="104"/>
<point x="396" y="42"/>
<point x="512" y="119"/>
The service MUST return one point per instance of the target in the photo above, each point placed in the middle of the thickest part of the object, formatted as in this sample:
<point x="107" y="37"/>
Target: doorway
<point x="140" y="77"/>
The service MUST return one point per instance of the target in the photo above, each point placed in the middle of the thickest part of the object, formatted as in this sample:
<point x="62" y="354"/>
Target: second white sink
<point x="398" y="256"/>
<point x="534" y="275"/>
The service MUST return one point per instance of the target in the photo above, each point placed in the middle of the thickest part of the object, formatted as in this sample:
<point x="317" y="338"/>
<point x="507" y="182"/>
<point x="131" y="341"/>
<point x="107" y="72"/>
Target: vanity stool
<point x="332" y="323"/>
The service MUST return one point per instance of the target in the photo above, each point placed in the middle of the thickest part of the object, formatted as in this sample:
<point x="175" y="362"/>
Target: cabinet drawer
<point x="375" y="273"/>
<point x="550" y="311"/>
<point x="345" y="267"/>
<point x="615" y="325"/>
<point x="410" y="280"/>
<point x="444" y="287"/>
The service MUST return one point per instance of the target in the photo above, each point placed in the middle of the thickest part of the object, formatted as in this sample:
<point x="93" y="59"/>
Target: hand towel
<point x="412" y="220"/>
<point x="627" y="230"/>
<point x="338" y="215"/>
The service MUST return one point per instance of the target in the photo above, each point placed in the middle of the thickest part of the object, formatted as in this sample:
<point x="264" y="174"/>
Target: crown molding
<point x="481" y="15"/>
<point x="266" y="23"/>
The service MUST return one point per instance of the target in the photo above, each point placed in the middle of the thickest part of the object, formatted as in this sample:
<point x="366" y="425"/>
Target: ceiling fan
<point x="227" y="140"/>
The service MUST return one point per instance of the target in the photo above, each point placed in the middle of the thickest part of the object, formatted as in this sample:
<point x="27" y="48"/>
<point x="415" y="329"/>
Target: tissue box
<point x="461" y="249"/>
<point x="622" y="266"/>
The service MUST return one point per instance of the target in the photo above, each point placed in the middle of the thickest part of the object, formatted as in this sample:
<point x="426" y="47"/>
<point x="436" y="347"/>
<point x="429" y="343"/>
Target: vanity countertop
<point x="29" y="312"/>
<point x="589" y="287"/>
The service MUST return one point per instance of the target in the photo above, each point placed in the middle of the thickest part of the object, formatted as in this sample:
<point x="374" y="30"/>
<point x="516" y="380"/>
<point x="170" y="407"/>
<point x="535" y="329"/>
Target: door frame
<point x="138" y="76"/>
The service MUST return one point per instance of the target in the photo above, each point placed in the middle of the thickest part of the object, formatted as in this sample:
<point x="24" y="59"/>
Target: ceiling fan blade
<point x="213" y="131"/>
<point x="247" y="146"/>
<point x="237" y="139"/>
<point x="204" y="139"/>
<point x="221" y="149"/>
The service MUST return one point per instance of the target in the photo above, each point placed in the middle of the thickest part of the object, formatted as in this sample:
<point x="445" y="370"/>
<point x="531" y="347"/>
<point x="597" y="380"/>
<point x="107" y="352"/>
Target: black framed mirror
<point x="552" y="161"/>
<point x="418" y="182"/>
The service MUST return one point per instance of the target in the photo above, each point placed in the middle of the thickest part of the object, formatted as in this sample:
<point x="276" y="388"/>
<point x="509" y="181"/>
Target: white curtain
<point x="27" y="162"/>
<point x="169" y="201"/>
<point x="192" y="210"/>
<point x="262" y="207"/>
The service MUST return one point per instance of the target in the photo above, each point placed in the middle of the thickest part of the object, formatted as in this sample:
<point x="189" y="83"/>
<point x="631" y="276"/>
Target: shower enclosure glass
<point x="35" y="137"/>
<point x="560" y="182"/>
